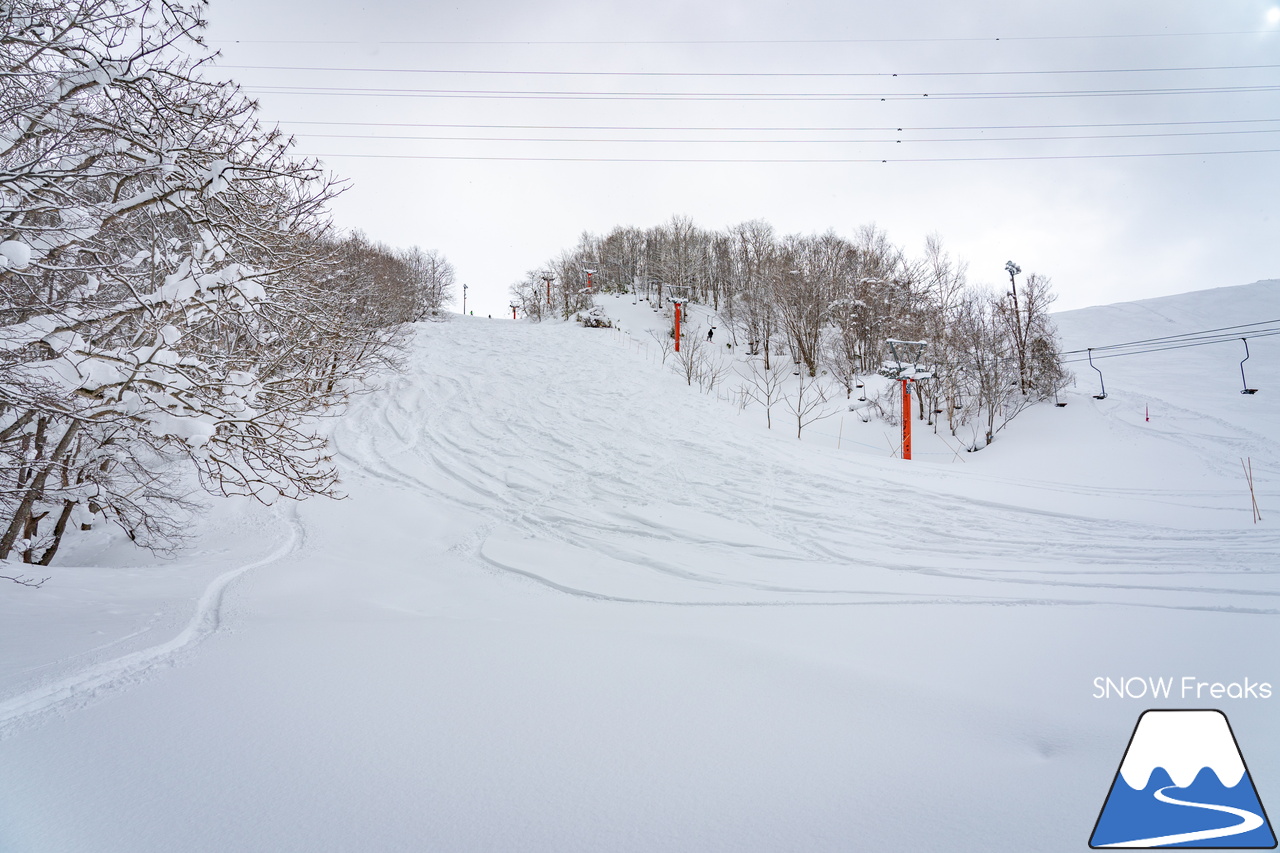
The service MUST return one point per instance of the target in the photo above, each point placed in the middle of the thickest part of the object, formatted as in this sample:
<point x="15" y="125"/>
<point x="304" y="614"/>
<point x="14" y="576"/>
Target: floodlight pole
<point x="513" y="310"/>
<point x="547" y="279"/>
<point x="464" y="300"/>
<point x="1018" y="337"/>
<point x="678" y="303"/>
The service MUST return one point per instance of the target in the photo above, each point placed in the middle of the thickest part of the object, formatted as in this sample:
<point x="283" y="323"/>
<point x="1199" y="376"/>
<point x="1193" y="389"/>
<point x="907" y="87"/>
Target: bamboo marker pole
<point x="1253" y="497"/>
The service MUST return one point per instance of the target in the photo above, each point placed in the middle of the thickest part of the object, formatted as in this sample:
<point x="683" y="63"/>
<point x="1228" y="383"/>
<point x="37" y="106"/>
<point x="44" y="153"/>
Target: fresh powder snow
<point x="572" y="603"/>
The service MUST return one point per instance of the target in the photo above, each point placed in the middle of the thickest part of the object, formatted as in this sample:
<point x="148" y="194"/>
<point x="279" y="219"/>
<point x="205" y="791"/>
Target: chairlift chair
<point x="1103" y="395"/>
<point x="1247" y="389"/>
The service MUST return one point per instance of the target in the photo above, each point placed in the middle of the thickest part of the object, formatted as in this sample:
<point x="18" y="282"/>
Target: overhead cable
<point x="1165" y="338"/>
<point x="559" y="139"/>
<point x="554" y="95"/>
<point x="796" y="160"/>
<point x="1100" y="353"/>
<point x="611" y="42"/>
<point x="784" y="129"/>
<point x="752" y="74"/>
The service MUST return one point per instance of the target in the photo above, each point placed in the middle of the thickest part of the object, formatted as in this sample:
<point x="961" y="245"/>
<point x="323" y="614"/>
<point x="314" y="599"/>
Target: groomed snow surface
<point x="573" y="604"/>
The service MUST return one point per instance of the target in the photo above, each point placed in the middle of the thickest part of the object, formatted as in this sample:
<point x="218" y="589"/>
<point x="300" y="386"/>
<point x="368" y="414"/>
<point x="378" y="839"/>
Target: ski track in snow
<point x="786" y="527"/>
<point x="99" y="680"/>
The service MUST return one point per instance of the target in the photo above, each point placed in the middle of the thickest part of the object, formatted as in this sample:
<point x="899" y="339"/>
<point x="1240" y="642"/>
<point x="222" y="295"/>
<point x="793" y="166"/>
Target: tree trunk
<point x="58" y="529"/>
<point x="35" y="491"/>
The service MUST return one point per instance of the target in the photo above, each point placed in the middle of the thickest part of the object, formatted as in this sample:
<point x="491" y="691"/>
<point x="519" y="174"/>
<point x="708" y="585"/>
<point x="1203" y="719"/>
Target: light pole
<point x="464" y="300"/>
<point x="513" y="310"/>
<point x="1018" y="338"/>
<point x="548" y="279"/>
<point x="795" y="354"/>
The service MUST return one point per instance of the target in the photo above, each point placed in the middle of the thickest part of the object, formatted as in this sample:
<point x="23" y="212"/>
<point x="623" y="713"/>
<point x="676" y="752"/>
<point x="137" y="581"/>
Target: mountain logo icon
<point x="1183" y="783"/>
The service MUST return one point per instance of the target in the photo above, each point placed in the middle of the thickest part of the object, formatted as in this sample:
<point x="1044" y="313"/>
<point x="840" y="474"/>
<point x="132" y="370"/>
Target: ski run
<point x="572" y="603"/>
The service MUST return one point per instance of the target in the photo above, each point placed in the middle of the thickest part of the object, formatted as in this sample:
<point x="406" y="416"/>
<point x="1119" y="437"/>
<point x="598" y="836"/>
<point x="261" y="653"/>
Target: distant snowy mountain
<point x="1169" y="315"/>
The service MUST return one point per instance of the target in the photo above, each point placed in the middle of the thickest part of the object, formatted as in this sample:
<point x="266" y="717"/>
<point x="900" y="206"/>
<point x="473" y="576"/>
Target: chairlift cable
<point x="1265" y="333"/>
<point x="1158" y="345"/>
<point x="1173" y="337"/>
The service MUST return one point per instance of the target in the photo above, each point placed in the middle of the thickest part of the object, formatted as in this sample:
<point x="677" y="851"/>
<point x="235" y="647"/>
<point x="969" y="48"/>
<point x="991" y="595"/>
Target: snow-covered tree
<point x="433" y="279"/>
<point x="835" y="301"/>
<point x="170" y="289"/>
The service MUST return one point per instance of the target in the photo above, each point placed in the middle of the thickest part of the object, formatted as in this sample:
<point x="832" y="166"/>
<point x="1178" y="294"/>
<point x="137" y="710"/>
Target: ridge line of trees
<point x="829" y="303"/>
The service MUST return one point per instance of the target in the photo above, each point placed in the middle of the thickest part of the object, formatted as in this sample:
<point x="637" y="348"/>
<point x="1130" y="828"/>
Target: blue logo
<point x="1183" y="783"/>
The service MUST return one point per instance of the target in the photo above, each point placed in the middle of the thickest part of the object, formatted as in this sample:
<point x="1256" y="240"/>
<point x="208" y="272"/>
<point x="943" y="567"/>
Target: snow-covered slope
<point x="1191" y="396"/>
<point x="574" y="604"/>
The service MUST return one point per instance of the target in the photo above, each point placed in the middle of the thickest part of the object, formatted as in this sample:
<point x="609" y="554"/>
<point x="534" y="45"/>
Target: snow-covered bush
<point x="595" y="318"/>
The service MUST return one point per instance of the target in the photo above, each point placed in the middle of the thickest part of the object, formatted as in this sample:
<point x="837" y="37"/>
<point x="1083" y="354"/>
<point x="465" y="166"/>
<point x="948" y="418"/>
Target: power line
<point x="783" y="74"/>
<point x="846" y="129"/>
<point x="785" y="141"/>
<point x="612" y="42"/>
<point x="796" y="160"/>
<point x="746" y="96"/>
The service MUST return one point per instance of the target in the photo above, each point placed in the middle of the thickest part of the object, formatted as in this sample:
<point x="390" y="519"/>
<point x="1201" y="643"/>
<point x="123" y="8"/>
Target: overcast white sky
<point x="1105" y="229"/>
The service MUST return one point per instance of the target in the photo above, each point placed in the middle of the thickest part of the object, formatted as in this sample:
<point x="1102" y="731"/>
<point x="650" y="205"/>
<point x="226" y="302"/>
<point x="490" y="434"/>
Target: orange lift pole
<point x="906" y="418"/>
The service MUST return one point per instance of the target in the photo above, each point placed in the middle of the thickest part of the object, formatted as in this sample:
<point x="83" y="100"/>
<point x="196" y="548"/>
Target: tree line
<point x="828" y="304"/>
<point x="173" y="295"/>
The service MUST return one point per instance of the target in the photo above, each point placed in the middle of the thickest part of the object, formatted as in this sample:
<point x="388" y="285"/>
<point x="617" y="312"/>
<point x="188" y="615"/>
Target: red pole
<point x="513" y="312"/>
<point x="677" y="327"/>
<point x="906" y="419"/>
<point x="588" y="279"/>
